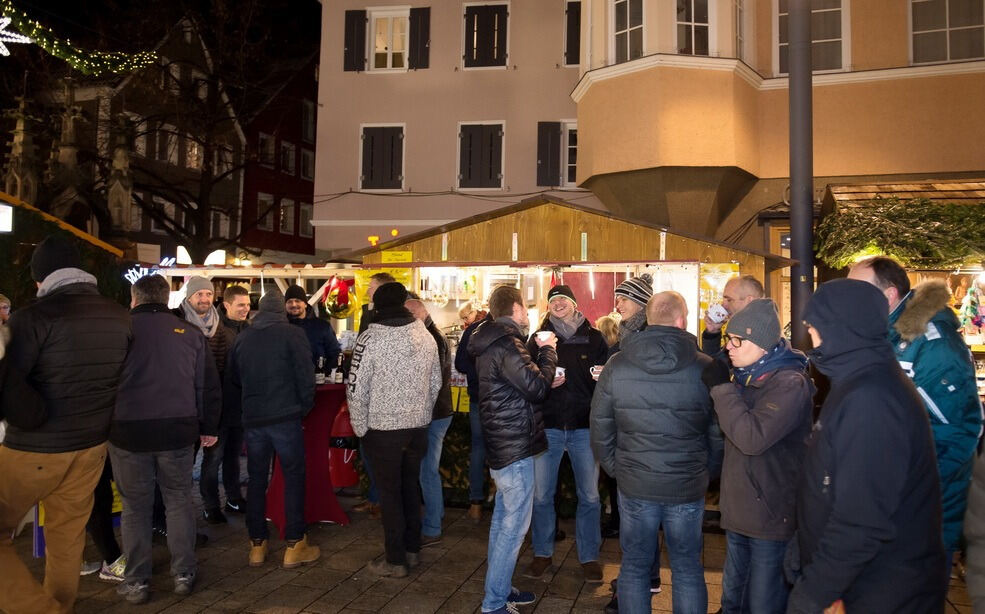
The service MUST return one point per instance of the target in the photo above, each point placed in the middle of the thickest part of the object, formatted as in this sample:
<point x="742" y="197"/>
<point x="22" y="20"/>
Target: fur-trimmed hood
<point x="923" y="303"/>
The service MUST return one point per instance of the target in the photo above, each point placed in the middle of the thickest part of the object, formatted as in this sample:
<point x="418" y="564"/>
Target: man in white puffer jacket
<point x="393" y="384"/>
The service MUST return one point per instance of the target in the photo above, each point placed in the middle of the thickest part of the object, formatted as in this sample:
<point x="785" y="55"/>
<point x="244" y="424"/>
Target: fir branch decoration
<point x="920" y="233"/>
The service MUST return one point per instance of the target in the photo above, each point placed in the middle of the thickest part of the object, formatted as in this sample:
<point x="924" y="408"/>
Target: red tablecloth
<point x="320" y="504"/>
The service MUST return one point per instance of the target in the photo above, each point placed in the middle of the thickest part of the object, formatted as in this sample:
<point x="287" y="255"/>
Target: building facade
<point x="442" y="111"/>
<point x="683" y="106"/>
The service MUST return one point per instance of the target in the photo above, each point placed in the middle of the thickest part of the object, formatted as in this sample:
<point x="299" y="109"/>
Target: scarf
<point x="64" y="277"/>
<point x="781" y="356"/>
<point x="566" y="328"/>
<point x="632" y="325"/>
<point x="208" y="324"/>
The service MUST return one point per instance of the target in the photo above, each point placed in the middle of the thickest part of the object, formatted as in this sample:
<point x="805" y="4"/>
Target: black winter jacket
<point x="321" y="338"/>
<point x="766" y="425"/>
<point x="652" y="425"/>
<point x="869" y="503"/>
<point x="270" y="367"/>
<point x="70" y="346"/>
<point x="567" y="407"/>
<point x="512" y="385"/>
<point x="169" y="390"/>
<point x="442" y="405"/>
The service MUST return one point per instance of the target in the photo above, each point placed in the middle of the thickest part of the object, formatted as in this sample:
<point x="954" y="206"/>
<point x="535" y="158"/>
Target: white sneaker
<point x="113" y="572"/>
<point x="90" y="568"/>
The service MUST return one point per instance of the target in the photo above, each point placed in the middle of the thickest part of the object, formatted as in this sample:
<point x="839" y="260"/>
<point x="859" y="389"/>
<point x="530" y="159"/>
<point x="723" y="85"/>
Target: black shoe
<point x="612" y="607"/>
<point x="610" y="532"/>
<point x="655" y="585"/>
<point x="559" y="535"/>
<point x="215" y="516"/>
<point x="237" y="506"/>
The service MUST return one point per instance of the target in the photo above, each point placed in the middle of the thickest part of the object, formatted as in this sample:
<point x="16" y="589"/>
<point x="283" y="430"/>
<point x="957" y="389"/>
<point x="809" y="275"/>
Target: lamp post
<point x="801" y="167"/>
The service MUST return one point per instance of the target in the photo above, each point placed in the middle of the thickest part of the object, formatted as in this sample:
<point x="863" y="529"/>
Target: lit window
<point x="193" y="153"/>
<point x="389" y="36"/>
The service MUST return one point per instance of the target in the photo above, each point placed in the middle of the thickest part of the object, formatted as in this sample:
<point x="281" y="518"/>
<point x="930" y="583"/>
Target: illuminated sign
<point x="135" y="273"/>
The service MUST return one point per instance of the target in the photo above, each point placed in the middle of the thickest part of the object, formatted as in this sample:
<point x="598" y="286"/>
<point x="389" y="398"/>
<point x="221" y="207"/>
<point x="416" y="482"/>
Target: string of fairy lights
<point x="93" y="63"/>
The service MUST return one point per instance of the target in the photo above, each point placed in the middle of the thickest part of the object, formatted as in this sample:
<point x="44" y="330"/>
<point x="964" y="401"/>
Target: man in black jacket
<point x="869" y="506"/>
<point x="431" y="491"/>
<point x="465" y="364"/>
<point x="70" y="346"/>
<point x="653" y="427"/>
<point x="512" y="385"/>
<point x="270" y="369"/>
<point x="168" y="399"/>
<point x="321" y="336"/>
<point x="579" y="348"/>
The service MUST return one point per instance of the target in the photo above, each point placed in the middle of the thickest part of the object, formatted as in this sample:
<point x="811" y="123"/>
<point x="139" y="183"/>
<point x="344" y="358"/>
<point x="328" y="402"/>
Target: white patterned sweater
<point x="394" y="379"/>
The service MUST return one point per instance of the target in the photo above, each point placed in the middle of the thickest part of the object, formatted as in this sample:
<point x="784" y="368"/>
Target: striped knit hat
<point x="637" y="289"/>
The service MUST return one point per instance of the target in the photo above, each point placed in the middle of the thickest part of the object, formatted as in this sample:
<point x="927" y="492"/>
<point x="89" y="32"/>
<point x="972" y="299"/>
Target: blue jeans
<point x="431" y="492"/>
<point x="753" y="578"/>
<point x="287" y="440"/>
<point x="510" y="521"/>
<point x="639" y="522"/>
<point x="588" y="530"/>
<point x="477" y="457"/>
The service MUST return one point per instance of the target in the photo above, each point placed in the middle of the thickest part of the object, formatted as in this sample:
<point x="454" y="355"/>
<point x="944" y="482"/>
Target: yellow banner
<point x="395" y="257"/>
<point x="404" y="275"/>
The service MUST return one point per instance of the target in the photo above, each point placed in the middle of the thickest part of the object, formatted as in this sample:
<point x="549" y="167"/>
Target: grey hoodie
<point x="395" y="378"/>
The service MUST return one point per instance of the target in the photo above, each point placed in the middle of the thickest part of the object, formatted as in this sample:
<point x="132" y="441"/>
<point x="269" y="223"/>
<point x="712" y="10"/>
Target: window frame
<point x="465" y="33"/>
<point x="266" y="223"/>
<point x="846" y="40"/>
<point x="389" y="12"/>
<point x="167" y="136"/>
<point x="566" y="126"/>
<point x="223" y="227"/>
<point x="189" y="158"/>
<point x="292" y="170"/>
<point x="308" y="128"/>
<point x="306" y="230"/>
<point x="712" y="30"/>
<point x="288" y="203"/>
<point x="301" y="167"/>
<point x="947" y="30"/>
<point x="403" y="157"/>
<point x="612" y="32"/>
<point x="261" y="136"/>
<point x="502" y="163"/>
<point x="171" y="213"/>
<point x="739" y="36"/>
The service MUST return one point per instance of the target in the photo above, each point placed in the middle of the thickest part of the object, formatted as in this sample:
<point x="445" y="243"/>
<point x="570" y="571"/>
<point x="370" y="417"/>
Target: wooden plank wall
<point x="552" y="233"/>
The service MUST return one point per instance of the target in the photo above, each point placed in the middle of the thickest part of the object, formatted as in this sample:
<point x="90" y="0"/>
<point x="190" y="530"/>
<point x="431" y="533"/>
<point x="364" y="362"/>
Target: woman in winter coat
<point x="764" y="410"/>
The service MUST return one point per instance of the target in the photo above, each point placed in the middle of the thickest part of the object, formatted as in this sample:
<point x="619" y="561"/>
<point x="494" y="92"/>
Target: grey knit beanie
<point x="637" y="289"/>
<point x="759" y="322"/>
<point x="197" y="283"/>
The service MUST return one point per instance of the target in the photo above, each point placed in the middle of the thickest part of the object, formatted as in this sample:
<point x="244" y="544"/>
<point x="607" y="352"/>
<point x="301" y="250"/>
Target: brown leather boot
<point x="299" y="553"/>
<point x="539" y="565"/>
<point x="258" y="552"/>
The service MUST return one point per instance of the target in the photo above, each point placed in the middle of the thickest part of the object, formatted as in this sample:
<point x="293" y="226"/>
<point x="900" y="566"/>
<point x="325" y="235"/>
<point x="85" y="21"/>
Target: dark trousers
<point x="136" y="474"/>
<point x="100" y="525"/>
<point x="224" y="453"/>
<point x="613" y="488"/>
<point x="396" y="459"/>
<point x="286" y="439"/>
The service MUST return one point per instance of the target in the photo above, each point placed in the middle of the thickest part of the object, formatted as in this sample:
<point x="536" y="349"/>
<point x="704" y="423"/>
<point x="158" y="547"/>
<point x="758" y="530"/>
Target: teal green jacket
<point x="924" y="332"/>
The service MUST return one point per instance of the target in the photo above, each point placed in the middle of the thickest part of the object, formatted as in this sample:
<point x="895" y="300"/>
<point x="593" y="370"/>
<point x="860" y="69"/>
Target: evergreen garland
<point x="919" y="233"/>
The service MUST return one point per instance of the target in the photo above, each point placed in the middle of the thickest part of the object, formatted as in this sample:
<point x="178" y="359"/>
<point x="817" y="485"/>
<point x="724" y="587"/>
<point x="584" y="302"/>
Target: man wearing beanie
<point x="868" y="503"/>
<point x="393" y="384"/>
<point x="69" y="345"/>
<point x="653" y="427"/>
<point x="270" y="371"/>
<point x="198" y="309"/>
<point x="764" y="410"/>
<point x="631" y="297"/>
<point x="579" y="348"/>
<point x="321" y="336"/>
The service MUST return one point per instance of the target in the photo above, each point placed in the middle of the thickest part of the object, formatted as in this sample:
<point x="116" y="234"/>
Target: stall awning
<point x="943" y="191"/>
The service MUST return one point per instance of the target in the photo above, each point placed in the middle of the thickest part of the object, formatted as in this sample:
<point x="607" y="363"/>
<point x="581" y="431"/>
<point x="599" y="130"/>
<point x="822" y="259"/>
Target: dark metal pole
<point x="801" y="167"/>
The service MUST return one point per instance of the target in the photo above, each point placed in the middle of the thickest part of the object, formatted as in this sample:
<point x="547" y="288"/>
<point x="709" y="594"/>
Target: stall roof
<point x="960" y="191"/>
<point x="272" y="271"/>
<point x="549" y="230"/>
<point x="85" y="236"/>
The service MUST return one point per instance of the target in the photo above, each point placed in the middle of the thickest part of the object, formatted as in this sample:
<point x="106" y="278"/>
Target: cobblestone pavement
<point x="449" y="578"/>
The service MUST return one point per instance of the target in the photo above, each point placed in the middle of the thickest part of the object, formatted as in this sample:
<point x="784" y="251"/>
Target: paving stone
<point x="293" y="599"/>
<point x="553" y="605"/>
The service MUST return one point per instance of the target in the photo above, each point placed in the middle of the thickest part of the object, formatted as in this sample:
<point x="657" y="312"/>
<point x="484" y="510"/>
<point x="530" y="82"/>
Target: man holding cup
<point x="512" y="385"/>
<point x="738" y="292"/>
<point x="579" y="348"/>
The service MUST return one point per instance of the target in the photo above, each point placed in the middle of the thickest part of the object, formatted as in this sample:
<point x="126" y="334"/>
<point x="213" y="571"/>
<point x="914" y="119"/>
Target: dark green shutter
<point x="420" y="37"/>
<point x="354" y="53"/>
<point x="572" y="42"/>
<point x="548" y="153"/>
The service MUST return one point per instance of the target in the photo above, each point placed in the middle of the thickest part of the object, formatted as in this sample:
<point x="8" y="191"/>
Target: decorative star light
<point x="9" y="37"/>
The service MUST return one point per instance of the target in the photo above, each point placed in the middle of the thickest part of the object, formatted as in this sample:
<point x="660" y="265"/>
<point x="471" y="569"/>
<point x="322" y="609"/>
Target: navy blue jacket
<point x="465" y="363"/>
<point x="270" y="367"/>
<point x="169" y="390"/>
<point x="321" y="338"/>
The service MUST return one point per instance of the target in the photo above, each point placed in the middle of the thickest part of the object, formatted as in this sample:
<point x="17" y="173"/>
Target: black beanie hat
<point x="561" y="290"/>
<point x="295" y="291"/>
<point x="55" y="252"/>
<point x="389" y="295"/>
<point x="272" y="302"/>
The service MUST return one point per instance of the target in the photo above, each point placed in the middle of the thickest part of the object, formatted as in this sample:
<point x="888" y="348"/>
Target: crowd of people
<point x="858" y="505"/>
